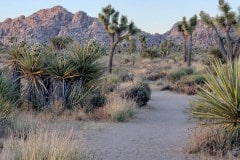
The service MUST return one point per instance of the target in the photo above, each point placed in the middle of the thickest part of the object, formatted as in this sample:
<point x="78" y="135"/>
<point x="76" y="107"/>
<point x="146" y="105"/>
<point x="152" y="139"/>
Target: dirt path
<point x="157" y="133"/>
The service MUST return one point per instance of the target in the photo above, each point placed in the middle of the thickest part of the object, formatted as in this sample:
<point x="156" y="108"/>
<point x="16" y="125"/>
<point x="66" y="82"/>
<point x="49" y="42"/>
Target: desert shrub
<point x="179" y="73"/>
<point x="150" y="53"/>
<point x="120" y="110"/>
<point x="189" y="84"/>
<point x="144" y="85"/>
<point x="139" y="93"/>
<point x="123" y="75"/>
<point x="93" y="101"/>
<point x="219" y="104"/>
<point x="9" y="97"/>
<point x="216" y="53"/>
<point x="193" y="79"/>
<point x="41" y="144"/>
<point x="59" y="76"/>
<point x="165" y="47"/>
<point x="214" y="141"/>
<point x="97" y="100"/>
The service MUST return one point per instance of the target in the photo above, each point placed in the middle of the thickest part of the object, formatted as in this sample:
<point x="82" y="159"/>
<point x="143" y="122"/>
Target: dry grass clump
<point x="118" y="109"/>
<point x="44" y="143"/>
<point x="32" y="139"/>
<point x="213" y="141"/>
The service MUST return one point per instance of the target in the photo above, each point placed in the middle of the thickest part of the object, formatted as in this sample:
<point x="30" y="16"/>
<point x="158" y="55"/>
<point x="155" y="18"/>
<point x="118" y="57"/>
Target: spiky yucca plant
<point x="32" y="70"/>
<point x="9" y="98"/>
<point x="220" y="102"/>
<point x="15" y="53"/>
<point x="61" y="72"/>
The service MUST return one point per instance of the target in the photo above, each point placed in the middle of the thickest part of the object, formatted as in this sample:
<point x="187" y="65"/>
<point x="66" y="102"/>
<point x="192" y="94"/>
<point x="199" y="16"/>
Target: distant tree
<point x="165" y="47"/>
<point x="59" y="43"/>
<point x="227" y="30"/>
<point x="181" y="30"/>
<point x="132" y="45"/>
<point x="142" y="40"/>
<point x="117" y="31"/>
<point x="188" y="28"/>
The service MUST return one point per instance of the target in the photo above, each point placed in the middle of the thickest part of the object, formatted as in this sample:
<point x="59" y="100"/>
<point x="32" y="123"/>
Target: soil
<point x="158" y="132"/>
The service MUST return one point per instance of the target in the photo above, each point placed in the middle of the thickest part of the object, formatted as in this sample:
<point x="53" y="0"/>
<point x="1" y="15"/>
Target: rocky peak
<point x="203" y="36"/>
<point x="57" y="21"/>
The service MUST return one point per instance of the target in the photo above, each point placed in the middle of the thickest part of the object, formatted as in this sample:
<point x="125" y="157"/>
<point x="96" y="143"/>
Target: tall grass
<point x="120" y="110"/>
<point x="44" y="143"/>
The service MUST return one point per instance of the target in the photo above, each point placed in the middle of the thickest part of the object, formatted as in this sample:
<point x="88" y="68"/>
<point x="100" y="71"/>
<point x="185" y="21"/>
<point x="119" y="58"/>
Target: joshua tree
<point x="165" y="47"/>
<point x="227" y="30"/>
<point x="142" y="40"/>
<point x="181" y="30"/>
<point x="132" y="45"/>
<point x="188" y="28"/>
<point x="117" y="31"/>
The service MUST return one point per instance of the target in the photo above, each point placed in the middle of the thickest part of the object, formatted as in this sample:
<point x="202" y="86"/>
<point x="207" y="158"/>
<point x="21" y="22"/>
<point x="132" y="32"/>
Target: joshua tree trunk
<point x="110" y="62"/>
<point x="185" y="50"/>
<point x="190" y="51"/>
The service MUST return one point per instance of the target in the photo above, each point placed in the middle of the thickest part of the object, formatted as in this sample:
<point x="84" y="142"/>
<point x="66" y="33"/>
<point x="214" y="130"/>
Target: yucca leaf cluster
<point x="9" y="99"/>
<point x="50" y="77"/>
<point x="219" y="103"/>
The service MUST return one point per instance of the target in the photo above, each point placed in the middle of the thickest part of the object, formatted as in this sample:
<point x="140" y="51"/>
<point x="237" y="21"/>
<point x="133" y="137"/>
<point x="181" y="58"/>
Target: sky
<point x="153" y="16"/>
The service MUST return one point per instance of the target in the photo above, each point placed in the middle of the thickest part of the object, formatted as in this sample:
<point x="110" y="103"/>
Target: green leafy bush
<point x="189" y="84"/>
<point x="150" y="53"/>
<point x="97" y="100"/>
<point x="140" y="93"/>
<point x="178" y="74"/>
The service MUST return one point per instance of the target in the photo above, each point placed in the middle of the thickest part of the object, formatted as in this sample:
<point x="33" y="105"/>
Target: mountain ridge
<point x="58" y="21"/>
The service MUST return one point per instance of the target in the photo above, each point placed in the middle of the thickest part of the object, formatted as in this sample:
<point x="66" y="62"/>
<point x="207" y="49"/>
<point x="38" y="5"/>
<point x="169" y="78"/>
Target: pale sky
<point x="153" y="16"/>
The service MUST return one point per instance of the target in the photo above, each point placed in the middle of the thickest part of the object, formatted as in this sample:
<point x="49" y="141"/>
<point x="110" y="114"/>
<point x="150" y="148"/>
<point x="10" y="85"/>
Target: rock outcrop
<point x="57" y="21"/>
<point x="203" y="37"/>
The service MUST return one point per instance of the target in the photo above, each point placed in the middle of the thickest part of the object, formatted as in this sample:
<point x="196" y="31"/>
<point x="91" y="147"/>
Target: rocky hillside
<point x="57" y="21"/>
<point x="203" y="37"/>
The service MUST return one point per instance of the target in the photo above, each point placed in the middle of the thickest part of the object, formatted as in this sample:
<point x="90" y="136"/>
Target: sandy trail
<point x="157" y="133"/>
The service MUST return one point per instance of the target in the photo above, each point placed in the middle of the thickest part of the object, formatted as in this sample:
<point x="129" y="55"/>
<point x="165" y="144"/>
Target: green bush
<point x="193" y="79"/>
<point x="140" y="93"/>
<point x="178" y="74"/>
<point x="98" y="100"/>
<point x="188" y="84"/>
<point x="123" y="76"/>
<point x="150" y="53"/>
<point x="92" y="102"/>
